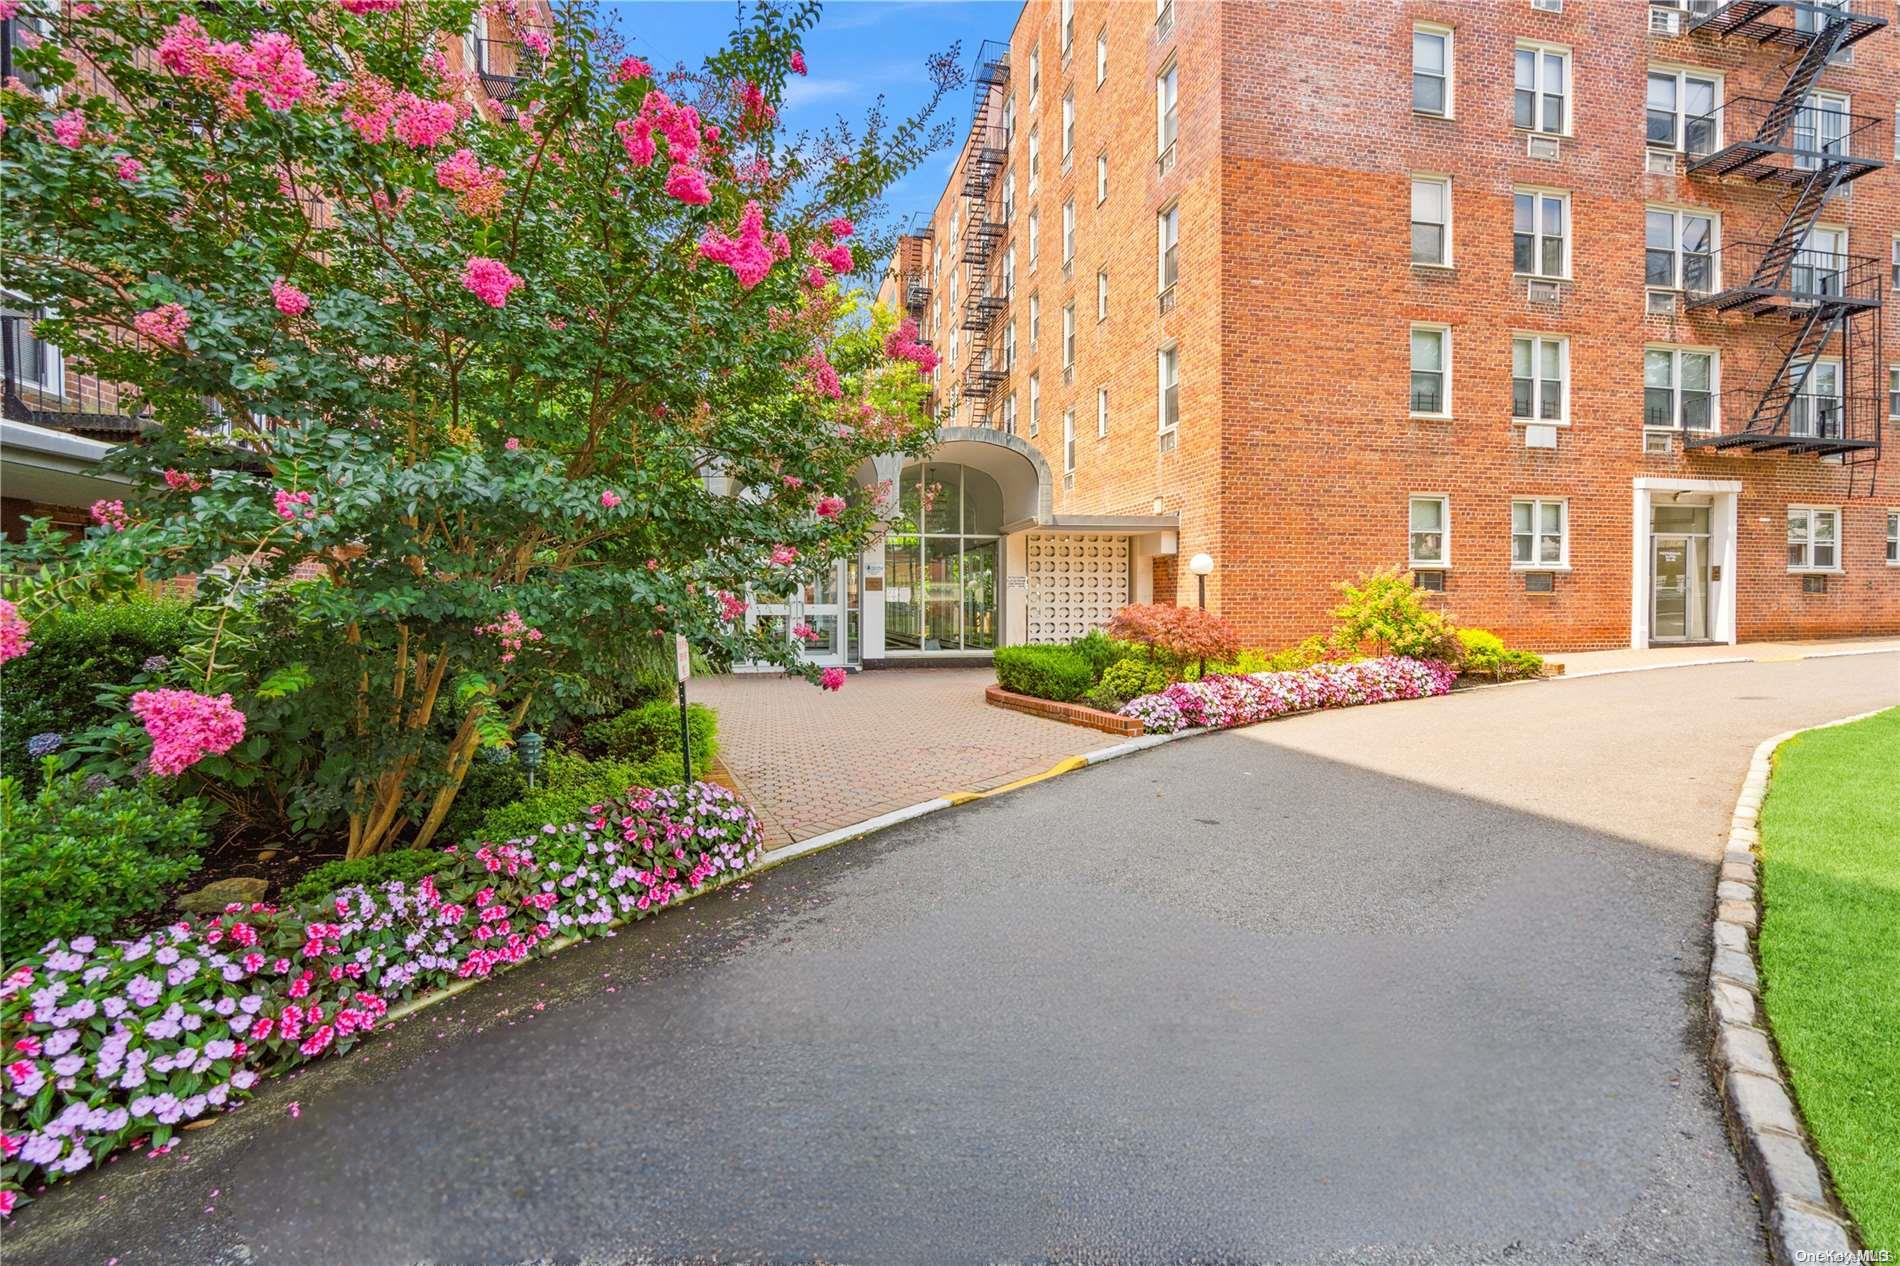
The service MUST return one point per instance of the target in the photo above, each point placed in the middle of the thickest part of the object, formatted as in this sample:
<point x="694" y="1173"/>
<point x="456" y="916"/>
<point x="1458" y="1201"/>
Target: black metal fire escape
<point x="984" y="159"/>
<point x="1830" y="301"/>
<point x="913" y="279"/>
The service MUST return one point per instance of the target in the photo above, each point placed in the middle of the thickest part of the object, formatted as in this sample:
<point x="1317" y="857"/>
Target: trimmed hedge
<point x="54" y="690"/>
<point x="641" y="733"/>
<point x="1061" y="673"/>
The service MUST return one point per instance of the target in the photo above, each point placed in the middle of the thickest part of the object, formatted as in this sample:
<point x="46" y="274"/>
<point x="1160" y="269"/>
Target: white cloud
<point x="804" y="92"/>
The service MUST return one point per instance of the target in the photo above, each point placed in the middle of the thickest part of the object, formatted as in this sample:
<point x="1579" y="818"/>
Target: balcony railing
<point x="503" y="64"/>
<point x="1815" y="423"/>
<point x="44" y="393"/>
<point x="1767" y="141"/>
<point x="1757" y="277"/>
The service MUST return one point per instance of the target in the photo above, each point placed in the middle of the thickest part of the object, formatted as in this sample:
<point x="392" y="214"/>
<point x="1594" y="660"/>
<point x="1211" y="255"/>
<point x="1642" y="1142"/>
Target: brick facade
<point x="1297" y="451"/>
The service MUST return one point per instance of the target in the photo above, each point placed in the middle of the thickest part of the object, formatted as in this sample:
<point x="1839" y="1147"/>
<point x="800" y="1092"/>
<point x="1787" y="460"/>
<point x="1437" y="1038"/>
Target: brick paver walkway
<point x="811" y="762"/>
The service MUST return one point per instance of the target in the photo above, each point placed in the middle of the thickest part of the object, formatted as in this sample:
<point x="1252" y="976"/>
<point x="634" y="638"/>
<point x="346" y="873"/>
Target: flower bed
<point x="1222" y="702"/>
<point x="106" y="1044"/>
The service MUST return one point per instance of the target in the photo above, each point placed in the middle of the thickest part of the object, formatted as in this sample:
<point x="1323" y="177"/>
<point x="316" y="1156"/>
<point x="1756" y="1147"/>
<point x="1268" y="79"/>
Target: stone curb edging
<point x="1729" y="659"/>
<point x="1805" y="1223"/>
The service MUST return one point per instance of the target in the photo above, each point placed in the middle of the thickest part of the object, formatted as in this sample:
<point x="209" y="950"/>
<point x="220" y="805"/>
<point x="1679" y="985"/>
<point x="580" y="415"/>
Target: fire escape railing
<point x="78" y="402"/>
<point x="1824" y="395"/>
<point x="985" y="155"/>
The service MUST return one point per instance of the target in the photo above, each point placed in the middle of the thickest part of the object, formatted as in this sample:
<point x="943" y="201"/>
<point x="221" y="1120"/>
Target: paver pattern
<point x="809" y="761"/>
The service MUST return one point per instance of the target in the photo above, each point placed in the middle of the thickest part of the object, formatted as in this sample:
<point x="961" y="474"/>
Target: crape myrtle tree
<point x="462" y="409"/>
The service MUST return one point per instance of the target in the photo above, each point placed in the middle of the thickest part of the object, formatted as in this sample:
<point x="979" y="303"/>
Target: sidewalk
<point x="809" y="762"/>
<point x="1585" y="663"/>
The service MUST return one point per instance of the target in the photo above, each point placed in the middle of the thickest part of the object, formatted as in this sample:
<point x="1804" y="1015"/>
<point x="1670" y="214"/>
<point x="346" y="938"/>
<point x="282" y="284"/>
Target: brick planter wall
<point x="1070" y="713"/>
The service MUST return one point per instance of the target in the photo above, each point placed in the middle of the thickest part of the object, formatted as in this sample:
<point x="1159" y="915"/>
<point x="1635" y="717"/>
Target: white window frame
<point x="1444" y="33"/>
<point x="1101" y="178"/>
<point x="1101" y="57"/>
<point x="1068" y="129"/>
<point x="1814" y="101"/>
<point x="1009" y="120"/>
<point x="1009" y="196"/>
<point x="1101" y="295"/>
<point x="1679" y="139"/>
<point x="1807" y="392"/>
<point x="1068" y="442"/>
<point x="1032" y="237"/>
<point x="1167" y="239"/>
<point x="1444" y="183"/>
<point x="1035" y="158"/>
<point x="1444" y="367"/>
<point x="1412" y="560"/>
<point x="1068" y="233"/>
<point x="1035" y="321"/>
<point x="1809" y="513"/>
<point x="1539" y="91"/>
<point x="1101" y="413"/>
<point x="1035" y="404"/>
<point x="1676" y="214"/>
<point x="1893" y="538"/>
<point x="1009" y="345"/>
<point x="1067" y="16"/>
<point x="1167" y="374"/>
<point x="1537" y="533"/>
<point x="1893" y="393"/>
<point x="1035" y="77"/>
<point x="1009" y="414"/>
<point x="1537" y="339"/>
<point x="1068" y="337"/>
<point x="1678" y="417"/>
<point x="1167" y="107"/>
<point x="51" y="383"/>
<point x="1538" y="239"/>
<point x="1009" y="271"/>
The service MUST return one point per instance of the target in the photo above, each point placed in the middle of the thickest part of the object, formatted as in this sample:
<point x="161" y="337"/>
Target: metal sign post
<point x="682" y="669"/>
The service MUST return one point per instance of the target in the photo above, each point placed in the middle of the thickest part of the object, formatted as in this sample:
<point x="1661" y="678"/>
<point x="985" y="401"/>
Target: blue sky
<point x="861" y="48"/>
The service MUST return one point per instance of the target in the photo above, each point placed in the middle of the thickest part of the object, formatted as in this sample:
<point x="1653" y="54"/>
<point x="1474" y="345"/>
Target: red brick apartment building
<point x="1582" y="309"/>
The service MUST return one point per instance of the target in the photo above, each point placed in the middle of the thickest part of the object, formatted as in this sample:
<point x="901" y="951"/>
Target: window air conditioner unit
<point x="1542" y="291"/>
<point x="1545" y="147"/>
<point x="1548" y="6"/>
<point x="1430" y="581"/>
<point x="1665" y="21"/>
<point x="1658" y="443"/>
<point x="1540" y="437"/>
<point x="1660" y="303"/>
<point x="1659" y="162"/>
<point x="1540" y="582"/>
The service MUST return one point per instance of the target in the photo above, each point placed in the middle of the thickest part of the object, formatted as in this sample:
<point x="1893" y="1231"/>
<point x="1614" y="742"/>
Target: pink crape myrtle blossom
<point x="186" y="727"/>
<point x="513" y="633"/>
<point x="182" y="481"/>
<point x="130" y="169"/>
<point x="538" y="42"/>
<point x="478" y="189"/>
<point x="832" y="679"/>
<point x="821" y="377"/>
<point x="903" y="344"/>
<point x="836" y="257"/>
<point x="755" y="112"/>
<point x="609" y="499"/>
<point x="289" y="300"/>
<point x="629" y="69"/>
<point x="688" y="184"/>
<point x="489" y="280"/>
<point x="841" y="227"/>
<point x="164" y="325"/>
<point x="749" y="255"/>
<point x="798" y="61"/>
<point x="111" y="515"/>
<point x="731" y="607"/>
<point x="829" y="507"/>
<point x="421" y="123"/>
<point x="13" y="631"/>
<point x="293" y="505"/>
<point x="274" y="68"/>
<point x="69" y="129"/>
<point x="636" y="137"/>
<point x="361" y="7"/>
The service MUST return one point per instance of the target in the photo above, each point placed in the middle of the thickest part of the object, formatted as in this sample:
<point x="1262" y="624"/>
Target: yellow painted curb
<point x="1066" y="765"/>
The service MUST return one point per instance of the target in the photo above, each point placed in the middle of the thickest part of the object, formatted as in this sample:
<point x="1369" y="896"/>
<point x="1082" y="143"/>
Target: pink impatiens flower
<point x="289" y="300"/>
<point x="489" y="280"/>
<point x="831" y="678"/>
<point x="186" y="727"/>
<point x="749" y="255"/>
<point x="13" y="631"/>
<point x="512" y="443"/>
<point x="130" y="169"/>
<point x="164" y="325"/>
<point x="830" y="507"/>
<point x="69" y="129"/>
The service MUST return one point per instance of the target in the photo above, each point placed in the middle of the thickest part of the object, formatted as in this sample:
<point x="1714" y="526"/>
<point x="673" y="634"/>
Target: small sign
<point x="874" y="569"/>
<point x="874" y="584"/>
<point x="1017" y="582"/>
<point x="682" y="658"/>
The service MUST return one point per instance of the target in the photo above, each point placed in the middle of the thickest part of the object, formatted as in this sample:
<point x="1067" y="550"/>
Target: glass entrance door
<point x="823" y="611"/>
<point x="1678" y="589"/>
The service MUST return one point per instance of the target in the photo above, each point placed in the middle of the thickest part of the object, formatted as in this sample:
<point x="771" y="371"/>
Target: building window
<point x="1816" y="410"/>
<point x="1068" y="27"/>
<point x="1035" y="321"/>
<point x="1101" y="178"/>
<point x="1009" y="197"/>
<point x="1035" y="405"/>
<point x="37" y="365"/>
<point x="1101" y="413"/>
<point x="1680" y="111"/>
<point x="1068" y="233"/>
<point x="1068" y="339"/>
<point x="1170" y="248"/>
<point x="1009" y="345"/>
<point x="1068" y="442"/>
<point x="1893" y="393"/>
<point x="1678" y="389"/>
<point x="1035" y="76"/>
<point x="1540" y="378"/>
<point x="1429" y="542"/>
<point x="1068" y="129"/>
<point x="1167" y="108"/>
<point x="1101" y="57"/>
<point x="1009" y="415"/>
<point x="1101" y="295"/>
<point x="1009" y="271"/>
<point x="1035" y="158"/>
<point x="1540" y="534"/>
<point x="1009" y="120"/>
<point x="1540" y="100"/>
<point x="1820" y="127"/>
<point x="1813" y="539"/>
<point x="1169" y="393"/>
<point x="1893" y="538"/>
<point x="1896" y="240"/>
<point x="1431" y="371"/>
<point x="1431" y="220"/>
<point x="1431" y="70"/>
<point x="1034" y="233"/>
<point x="1679" y="249"/>
<point x="1540" y="241"/>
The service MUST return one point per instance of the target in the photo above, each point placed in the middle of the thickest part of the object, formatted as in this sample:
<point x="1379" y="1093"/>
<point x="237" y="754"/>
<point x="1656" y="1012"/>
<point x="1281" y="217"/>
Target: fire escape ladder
<point x="1804" y="210"/>
<point x="1816" y="331"/>
<point x="1801" y="80"/>
<point x="985" y="155"/>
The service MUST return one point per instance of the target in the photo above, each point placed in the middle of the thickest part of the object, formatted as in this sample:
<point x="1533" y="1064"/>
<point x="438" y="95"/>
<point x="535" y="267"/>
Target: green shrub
<point x="489" y="785"/>
<point x="1060" y="673"/>
<point x="406" y="864"/>
<point x="1103" y="698"/>
<point x="1102" y="651"/>
<point x="1485" y="655"/>
<point x="569" y="785"/>
<point x="1518" y="663"/>
<point x="1383" y="614"/>
<point x="54" y="688"/>
<point x="77" y="860"/>
<point x="640" y="734"/>
<point x="1131" y="678"/>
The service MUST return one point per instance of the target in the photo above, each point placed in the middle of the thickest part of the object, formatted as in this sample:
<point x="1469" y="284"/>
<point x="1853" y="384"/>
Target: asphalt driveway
<point x="1415" y="983"/>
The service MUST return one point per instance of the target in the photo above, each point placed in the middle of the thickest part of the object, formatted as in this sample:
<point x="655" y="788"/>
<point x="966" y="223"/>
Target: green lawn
<point x="1830" y="952"/>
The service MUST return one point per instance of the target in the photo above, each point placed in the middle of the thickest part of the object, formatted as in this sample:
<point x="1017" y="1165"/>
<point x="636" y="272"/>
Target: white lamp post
<point x="1201" y="565"/>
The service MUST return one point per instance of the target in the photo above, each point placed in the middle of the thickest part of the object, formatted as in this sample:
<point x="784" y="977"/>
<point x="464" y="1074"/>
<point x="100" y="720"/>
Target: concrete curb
<point x="1805" y="1223"/>
<point x="1726" y="659"/>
